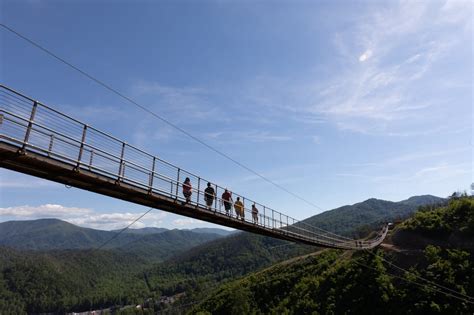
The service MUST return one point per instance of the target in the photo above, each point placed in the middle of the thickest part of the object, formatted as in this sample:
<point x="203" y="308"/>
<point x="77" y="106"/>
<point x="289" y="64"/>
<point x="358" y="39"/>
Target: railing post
<point x="121" y="166"/>
<point x="264" y="216"/>
<point x="81" y="148"/>
<point x="50" y="147"/>
<point x="198" y="190"/>
<point x="273" y="219"/>
<point x="152" y="175"/>
<point x="215" y="198"/>
<point x="28" y="129"/>
<point x="177" y="183"/>
<point x="91" y="158"/>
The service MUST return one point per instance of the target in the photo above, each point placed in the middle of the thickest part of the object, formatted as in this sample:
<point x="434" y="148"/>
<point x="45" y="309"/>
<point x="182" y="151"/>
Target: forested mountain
<point x="370" y="213"/>
<point x="68" y="280"/>
<point x="206" y="265"/>
<point x="451" y="227"/>
<point x="83" y="279"/>
<point x="47" y="234"/>
<point x="213" y="231"/>
<point x="164" y="245"/>
<point x="144" y="231"/>
<point x="53" y="234"/>
<point x="336" y="282"/>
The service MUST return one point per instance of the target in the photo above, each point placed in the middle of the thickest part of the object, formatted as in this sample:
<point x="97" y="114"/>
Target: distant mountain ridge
<point x="143" y="231"/>
<point x="47" y="234"/>
<point x="53" y="234"/>
<point x="371" y="213"/>
<point x="212" y="231"/>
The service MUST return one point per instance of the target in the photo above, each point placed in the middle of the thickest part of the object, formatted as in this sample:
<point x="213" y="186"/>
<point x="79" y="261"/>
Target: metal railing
<point x="33" y="126"/>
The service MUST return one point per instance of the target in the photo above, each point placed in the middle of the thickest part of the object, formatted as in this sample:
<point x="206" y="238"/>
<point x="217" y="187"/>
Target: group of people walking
<point x="226" y="200"/>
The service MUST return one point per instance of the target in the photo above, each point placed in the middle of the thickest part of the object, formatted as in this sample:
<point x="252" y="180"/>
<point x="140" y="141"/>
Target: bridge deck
<point x="40" y="141"/>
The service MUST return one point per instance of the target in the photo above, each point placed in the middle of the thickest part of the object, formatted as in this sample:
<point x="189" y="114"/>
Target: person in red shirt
<point x="187" y="189"/>
<point x="227" y="201"/>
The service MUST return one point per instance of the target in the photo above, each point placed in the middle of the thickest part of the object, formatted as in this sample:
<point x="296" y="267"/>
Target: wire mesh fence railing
<point x="33" y="126"/>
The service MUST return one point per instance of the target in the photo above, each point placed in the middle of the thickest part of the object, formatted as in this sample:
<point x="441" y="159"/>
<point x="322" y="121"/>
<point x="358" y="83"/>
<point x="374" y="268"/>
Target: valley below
<point x="51" y="266"/>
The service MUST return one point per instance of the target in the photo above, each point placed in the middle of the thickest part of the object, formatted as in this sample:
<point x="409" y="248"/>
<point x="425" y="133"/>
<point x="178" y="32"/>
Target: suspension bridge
<point x="38" y="140"/>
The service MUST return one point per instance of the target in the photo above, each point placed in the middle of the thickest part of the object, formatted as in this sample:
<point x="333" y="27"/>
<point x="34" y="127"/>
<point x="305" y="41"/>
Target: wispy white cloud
<point x="366" y="55"/>
<point x="182" y="104"/>
<point x="9" y="179"/>
<point x="385" y="61"/>
<point x="112" y="221"/>
<point x="247" y="136"/>
<point x="82" y="216"/>
<point x="316" y="139"/>
<point x="410" y="157"/>
<point x="97" y="113"/>
<point x="456" y="11"/>
<point x="371" y="97"/>
<point x="282" y="175"/>
<point x="410" y="168"/>
<point x="46" y="210"/>
<point x="33" y="183"/>
<point x="434" y="173"/>
<point x="405" y="158"/>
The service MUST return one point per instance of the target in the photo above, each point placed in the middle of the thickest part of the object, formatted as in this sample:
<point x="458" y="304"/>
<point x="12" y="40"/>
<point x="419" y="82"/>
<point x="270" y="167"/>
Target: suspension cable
<point x="147" y="110"/>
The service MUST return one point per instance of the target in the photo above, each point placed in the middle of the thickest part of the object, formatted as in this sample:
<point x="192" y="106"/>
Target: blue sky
<point x="337" y="101"/>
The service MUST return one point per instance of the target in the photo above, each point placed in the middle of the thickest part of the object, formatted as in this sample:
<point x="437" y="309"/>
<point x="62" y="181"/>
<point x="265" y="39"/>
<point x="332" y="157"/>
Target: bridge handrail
<point x="114" y="158"/>
<point x="282" y="225"/>
<point x="88" y="145"/>
<point x="127" y="162"/>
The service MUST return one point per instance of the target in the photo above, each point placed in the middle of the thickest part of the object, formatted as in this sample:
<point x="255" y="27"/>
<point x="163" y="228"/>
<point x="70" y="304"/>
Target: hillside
<point x="334" y="282"/>
<point x="451" y="226"/>
<point x="143" y="231"/>
<point x="81" y="279"/>
<point x="69" y="280"/>
<point x="369" y="214"/>
<point x="201" y="268"/>
<point x="331" y="283"/>
<point x="164" y="245"/>
<point x="206" y="266"/>
<point x="221" y="232"/>
<point x="45" y="234"/>
<point x="54" y="234"/>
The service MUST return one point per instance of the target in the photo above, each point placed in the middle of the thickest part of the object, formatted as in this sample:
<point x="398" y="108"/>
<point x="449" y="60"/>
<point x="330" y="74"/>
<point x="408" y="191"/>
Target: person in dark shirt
<point x="209" y="195"/>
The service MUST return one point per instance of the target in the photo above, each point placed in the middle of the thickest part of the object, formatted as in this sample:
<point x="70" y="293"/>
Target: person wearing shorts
<point x="227" y="201"/>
